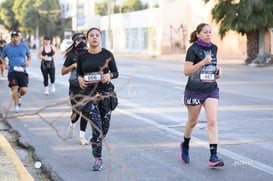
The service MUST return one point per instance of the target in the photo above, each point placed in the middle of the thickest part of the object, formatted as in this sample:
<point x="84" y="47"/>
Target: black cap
<point x="77" y="36"/>
<point x="47" y="38"/>
<point x="14" y="33"/>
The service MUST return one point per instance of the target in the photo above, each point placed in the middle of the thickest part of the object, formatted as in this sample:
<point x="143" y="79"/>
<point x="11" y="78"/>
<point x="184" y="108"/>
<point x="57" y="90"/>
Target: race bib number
<point x="93" y="77"/>
<point x="207" y="76"/>
<point x="18" y="69"/>
<point x="48" y="59"/>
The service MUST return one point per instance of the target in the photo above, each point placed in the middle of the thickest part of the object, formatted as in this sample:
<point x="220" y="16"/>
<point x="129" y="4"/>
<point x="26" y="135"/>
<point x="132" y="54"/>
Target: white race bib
<point x="18" y="69"/>
<point x="93" y="77"/>
<point x="48" y="59"/>
<point x="207" y="76"/>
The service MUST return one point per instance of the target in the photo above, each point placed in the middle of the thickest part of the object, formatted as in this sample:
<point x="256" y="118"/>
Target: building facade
<point x="153" y="31"/>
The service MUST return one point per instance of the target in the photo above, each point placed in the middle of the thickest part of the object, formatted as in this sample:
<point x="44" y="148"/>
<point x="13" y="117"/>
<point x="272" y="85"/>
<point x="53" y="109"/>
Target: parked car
<point x="65" y="44"/>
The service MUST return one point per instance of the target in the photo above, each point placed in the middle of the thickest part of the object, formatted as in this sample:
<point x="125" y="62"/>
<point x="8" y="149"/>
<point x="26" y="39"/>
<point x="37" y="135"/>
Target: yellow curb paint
<point x="22" y="172"/>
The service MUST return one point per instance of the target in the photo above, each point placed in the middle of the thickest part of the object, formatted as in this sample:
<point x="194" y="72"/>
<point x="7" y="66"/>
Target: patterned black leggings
<point x="99" y="115"/>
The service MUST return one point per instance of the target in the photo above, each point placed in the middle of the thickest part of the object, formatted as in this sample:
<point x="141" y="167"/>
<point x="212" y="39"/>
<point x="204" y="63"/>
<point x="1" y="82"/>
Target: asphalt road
<point x="146" y="129"/>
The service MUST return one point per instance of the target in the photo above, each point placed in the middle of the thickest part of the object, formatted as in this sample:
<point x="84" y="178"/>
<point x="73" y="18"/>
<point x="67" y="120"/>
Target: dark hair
<point x="94" y="28"/>
<point x="199" y="28"/>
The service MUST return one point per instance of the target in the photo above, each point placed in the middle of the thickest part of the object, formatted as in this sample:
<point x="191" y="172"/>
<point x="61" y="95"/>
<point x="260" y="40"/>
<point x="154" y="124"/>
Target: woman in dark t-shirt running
<point x="70" y="66"/>
<point x="201" y="90"/>
<point x="96" y="67"/>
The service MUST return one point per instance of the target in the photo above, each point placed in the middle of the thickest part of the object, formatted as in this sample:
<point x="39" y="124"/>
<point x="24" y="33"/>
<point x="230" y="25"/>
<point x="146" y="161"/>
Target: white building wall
<point x="84" y="15"/>
<point x="178" y="19"/>
<point x="166" y="29"/>
<point x="130" y="30"/>
<point x="157" y="30"/>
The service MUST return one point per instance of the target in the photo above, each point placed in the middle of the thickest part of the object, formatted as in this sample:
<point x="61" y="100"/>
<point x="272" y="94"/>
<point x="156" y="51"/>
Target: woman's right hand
<point x="74" y="65"/>
<point x="207" y="59"/>
<point x="82" y="82"/>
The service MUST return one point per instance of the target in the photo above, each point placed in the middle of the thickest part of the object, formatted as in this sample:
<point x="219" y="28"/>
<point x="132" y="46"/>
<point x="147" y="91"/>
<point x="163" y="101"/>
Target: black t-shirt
<point x="72" y="58"/>
<point x="103" y="61"/>
<point x="202" y="80"/>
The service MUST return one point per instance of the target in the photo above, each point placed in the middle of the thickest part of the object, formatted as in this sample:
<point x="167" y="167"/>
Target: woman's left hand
<point x="218" y="74"/>
<point x="106" y="78"/>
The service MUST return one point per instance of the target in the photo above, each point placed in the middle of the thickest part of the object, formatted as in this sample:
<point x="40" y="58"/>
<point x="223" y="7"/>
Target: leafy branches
<point x="25" y="15"/>
<point x="242" y="16"/>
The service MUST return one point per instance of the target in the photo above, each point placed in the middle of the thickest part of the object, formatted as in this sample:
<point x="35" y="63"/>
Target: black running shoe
<point x="184" y="154"/>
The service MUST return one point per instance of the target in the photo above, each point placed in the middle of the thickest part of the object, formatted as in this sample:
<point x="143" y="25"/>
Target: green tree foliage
<point x="101" y="8"/>
<point x="7" y="16"/>
<point x="131" y="5"/>
<point x="48" y="12"/>
<point x="249" y="17"/>
<point x="244" y="16"/>
<point x="127" y="6"/>
<point x="25" y="15"/>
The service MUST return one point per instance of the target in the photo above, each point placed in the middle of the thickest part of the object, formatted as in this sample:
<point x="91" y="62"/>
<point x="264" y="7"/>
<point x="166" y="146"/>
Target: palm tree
<point x="248" y="17"/>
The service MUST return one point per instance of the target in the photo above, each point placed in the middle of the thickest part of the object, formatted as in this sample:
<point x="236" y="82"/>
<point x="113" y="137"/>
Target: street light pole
<point x="37" y="37"/>
<point x="110" y="41"/>
<point x="37" y="31"/>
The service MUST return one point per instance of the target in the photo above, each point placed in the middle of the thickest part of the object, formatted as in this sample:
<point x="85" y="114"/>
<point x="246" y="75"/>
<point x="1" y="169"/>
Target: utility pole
<point x="37" y="31"/>
<point x="109" y="13"/>
<point x="77" y="20"/>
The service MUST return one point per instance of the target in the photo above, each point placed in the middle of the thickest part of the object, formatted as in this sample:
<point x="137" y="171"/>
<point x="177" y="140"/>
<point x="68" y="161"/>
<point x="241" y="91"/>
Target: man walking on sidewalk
<point x="18" y="55"/>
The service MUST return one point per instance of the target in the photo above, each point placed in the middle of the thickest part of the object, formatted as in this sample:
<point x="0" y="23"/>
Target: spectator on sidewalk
<point x="70" y="66"/>
<point x="47" y="54"/>
<point x="96" y="67"/>
<point x="18" y="55"/>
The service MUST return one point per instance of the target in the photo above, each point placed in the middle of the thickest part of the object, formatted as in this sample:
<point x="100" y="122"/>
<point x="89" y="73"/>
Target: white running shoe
<point x="83" y="141"/>
<point x="53" y="88"/>
<point x="46" y="91"/>
<point x="17" y="109"/>
<point x="70" y="131"/>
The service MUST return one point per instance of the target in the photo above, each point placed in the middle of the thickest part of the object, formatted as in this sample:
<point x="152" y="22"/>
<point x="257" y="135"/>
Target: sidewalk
<point x="12" y="169"/>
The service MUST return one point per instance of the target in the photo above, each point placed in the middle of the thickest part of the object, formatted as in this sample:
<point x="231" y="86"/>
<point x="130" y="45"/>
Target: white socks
<point x="82" y="134"/>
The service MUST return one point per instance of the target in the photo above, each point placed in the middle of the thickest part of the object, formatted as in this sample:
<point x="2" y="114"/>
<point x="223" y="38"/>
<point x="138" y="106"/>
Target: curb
<point x="20" y="169"/>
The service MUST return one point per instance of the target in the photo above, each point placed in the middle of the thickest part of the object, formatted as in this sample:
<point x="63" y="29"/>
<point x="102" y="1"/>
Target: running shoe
<point x="97" y="165"/>
<point x="20" y="102"/>
<point x="70" y="131"/>
<point x="17" y="109"/>
<point x="53" y="88"/>
<point x="184" y="153"/>
<point x="46" y="91"/>
<point x="215" y="161"/>
<point x="83" y="141"/>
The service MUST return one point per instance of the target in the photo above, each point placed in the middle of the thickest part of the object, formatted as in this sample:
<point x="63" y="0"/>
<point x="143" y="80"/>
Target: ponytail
<point x="199" y="28"/>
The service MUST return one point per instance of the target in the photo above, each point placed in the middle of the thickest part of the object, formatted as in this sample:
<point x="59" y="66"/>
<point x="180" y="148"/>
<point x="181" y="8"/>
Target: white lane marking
<point x="235" y="156"/>
<point x="199" y="142"/>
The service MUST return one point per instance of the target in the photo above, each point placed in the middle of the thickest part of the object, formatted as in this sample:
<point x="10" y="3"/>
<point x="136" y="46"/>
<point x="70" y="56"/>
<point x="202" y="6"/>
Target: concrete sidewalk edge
<point x="22" y="172"/>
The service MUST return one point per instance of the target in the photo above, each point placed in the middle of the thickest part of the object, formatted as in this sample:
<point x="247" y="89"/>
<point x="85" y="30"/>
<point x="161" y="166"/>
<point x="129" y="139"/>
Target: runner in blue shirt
<point x="18" y="55"/>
